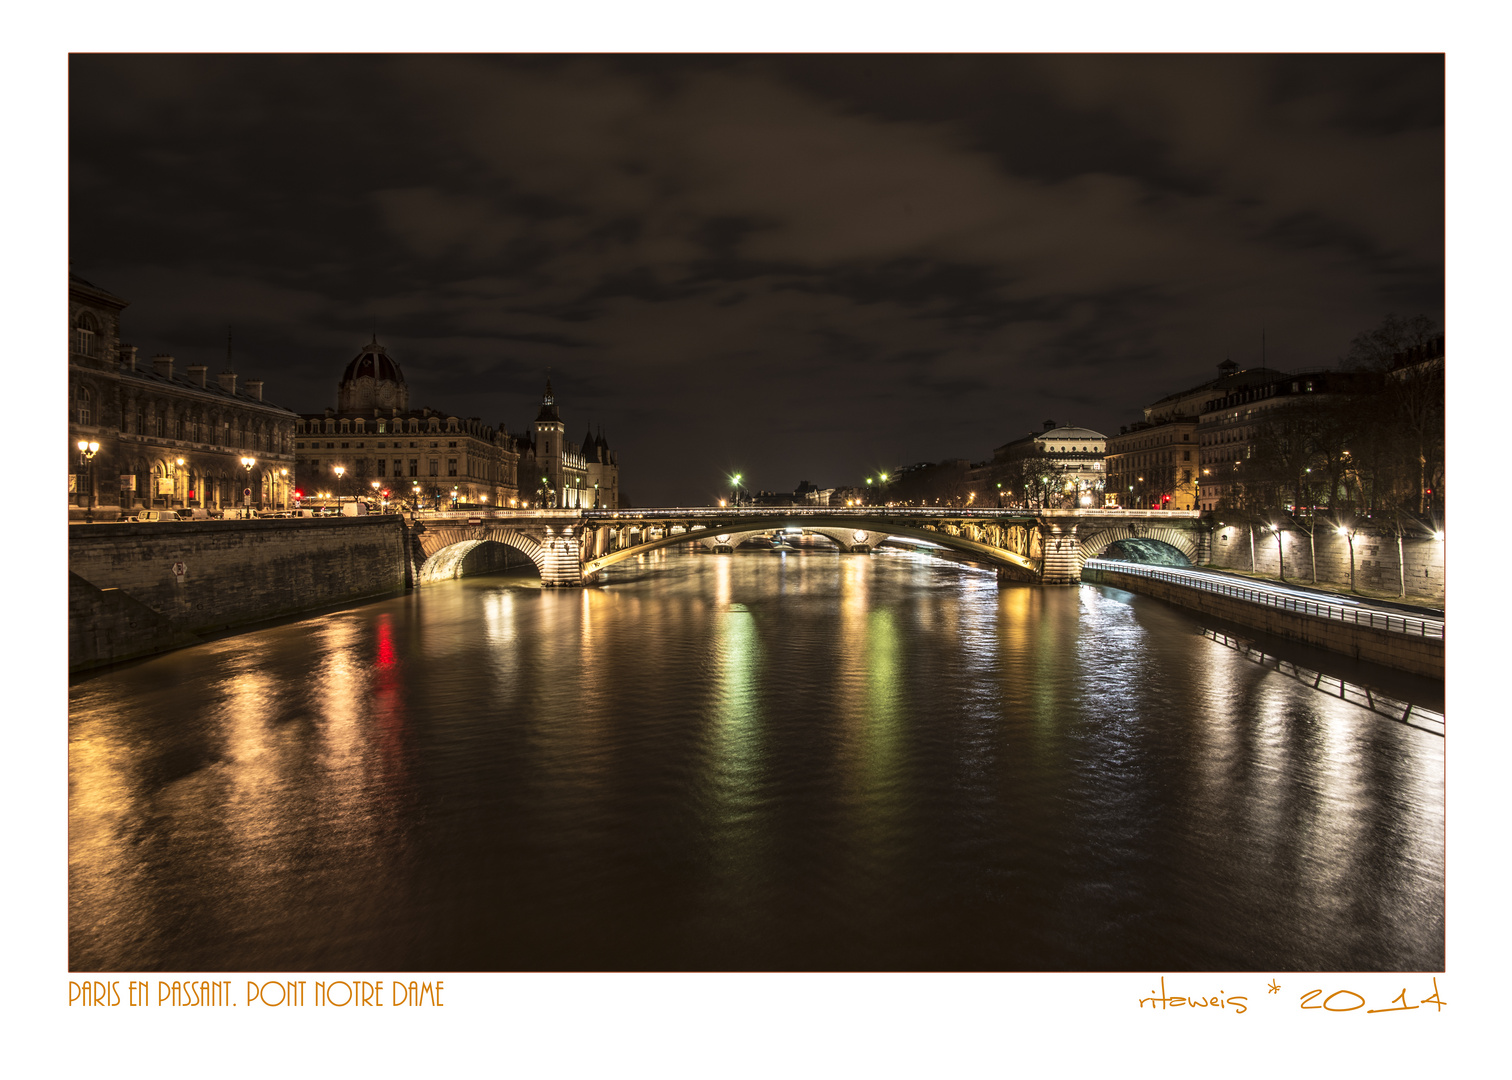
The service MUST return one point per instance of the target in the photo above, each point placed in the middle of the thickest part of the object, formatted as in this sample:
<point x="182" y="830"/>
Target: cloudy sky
<point x="800" y="267"/>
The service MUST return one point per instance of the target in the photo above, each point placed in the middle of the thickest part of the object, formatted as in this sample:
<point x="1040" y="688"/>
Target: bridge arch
<point x="444" y="547"/>
<point x="1011" y="563"/>
<point x="1093" y="545"/>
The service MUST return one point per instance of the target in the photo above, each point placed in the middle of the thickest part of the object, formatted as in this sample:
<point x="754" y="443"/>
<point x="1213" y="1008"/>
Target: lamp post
<point x="735" y="490"/>
<point x="595" y="495"/>
<point x="247" y="463"/>
<point x="454" y="497"/>
<point x="178" y="465"/>
<point x="375" y="490"/>
<point x="340" y="471"/>
<point x="1348" y="534"/>
<point x="87" y="452"/>
<point x="415" y="497"/>
<point x="283" y="483"/>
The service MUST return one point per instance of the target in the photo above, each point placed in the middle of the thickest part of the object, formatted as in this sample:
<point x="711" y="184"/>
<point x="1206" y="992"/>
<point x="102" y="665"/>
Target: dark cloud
<point x="801" y="267"/>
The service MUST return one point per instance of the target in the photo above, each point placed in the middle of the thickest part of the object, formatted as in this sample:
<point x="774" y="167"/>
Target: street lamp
<point x="247" y="463"/>
<point x="87" y="452"/>
<point x="178" y="464"/>
<point x="375" y="490"/>
<point x="415" y="493"/>
<point x="735" y="489"/>
<point x="454" y="498"/>
<point x="340" y="471"/>
<point x="283" y="480"/>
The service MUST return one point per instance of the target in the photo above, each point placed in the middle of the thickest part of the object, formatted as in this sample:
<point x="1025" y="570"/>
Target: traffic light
<point x="298" y="494"/>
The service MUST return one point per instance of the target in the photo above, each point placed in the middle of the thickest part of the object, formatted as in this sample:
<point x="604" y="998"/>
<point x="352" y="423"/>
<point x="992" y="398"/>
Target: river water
<point x="758" y="761"/>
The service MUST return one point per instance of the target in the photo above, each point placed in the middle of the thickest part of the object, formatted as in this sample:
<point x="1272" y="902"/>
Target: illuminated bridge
<point x="570" y="548"/>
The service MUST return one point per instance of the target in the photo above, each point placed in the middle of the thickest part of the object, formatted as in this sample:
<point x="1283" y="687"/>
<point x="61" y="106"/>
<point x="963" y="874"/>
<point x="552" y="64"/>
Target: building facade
<point x="1230" y="424"/>
<point x="1154" y="465"/>
<point x="1058" y="466"/>
<point x="166" y="437"/>
<point x="372" y="446"/>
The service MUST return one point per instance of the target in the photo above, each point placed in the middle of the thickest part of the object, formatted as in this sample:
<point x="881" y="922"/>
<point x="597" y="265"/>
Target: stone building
<point x="1153" y="465"/>
<point x="1056" y="466"/>
<point x="168" y="437"/>
<point x="1229" y="423"/>
<point x="428" y="458"/>
<point x="385" y="451"/>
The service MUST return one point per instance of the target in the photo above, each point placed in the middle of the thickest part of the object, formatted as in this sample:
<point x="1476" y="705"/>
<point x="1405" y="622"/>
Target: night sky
<point x="802" y="267"/>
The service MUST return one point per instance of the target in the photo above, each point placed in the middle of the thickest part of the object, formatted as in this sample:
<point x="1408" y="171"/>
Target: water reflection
<point x="762" y="760"/>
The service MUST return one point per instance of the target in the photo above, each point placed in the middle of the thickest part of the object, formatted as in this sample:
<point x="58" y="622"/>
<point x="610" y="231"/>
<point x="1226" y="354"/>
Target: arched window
<point x="84" y="403"/>
<point x="86" y="335"/>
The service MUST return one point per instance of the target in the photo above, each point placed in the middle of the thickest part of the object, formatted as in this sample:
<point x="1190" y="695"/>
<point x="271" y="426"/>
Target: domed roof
<point x="1072" y="433"/>
<point x="373" y="362"/>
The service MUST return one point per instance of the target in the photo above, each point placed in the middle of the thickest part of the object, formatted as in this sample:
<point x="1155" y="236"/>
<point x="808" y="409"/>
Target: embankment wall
<point x="1404" y="652"/>
<point x="126" y="600"/>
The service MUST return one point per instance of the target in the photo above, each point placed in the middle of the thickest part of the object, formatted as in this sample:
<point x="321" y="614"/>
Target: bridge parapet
<point x="1048" y="547"/>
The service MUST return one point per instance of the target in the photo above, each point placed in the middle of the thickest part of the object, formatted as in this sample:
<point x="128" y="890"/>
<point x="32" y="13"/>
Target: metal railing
<point x="1194" y="579"/>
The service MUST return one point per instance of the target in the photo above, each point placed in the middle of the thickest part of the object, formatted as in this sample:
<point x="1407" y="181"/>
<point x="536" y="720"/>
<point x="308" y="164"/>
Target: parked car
<point x="157" y="515"/>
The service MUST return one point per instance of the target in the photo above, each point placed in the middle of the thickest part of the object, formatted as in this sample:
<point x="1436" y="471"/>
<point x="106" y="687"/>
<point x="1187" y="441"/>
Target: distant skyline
<point x="799" y="267"/>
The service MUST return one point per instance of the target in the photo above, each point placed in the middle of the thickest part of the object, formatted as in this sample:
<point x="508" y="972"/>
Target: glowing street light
<point x="340" y="471"/>
<point x="87" y="451"/>
<point x="248" y="463"/>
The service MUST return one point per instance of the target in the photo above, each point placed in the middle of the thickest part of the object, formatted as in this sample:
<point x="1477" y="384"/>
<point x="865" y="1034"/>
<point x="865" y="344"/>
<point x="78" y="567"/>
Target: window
<point x="382" y="427"/>
<point x="382" y="445"/>
<point x="330" y="446"/>
<point x="434" y="445"/>
<point x="414" y="467"/>
<point x="346" y="446"/>
<point x="435" y="466"/>
<point x="452" y="445"/>
<point x="1186" y="455"/>
<point x="299" y="446"/>
<point x="87" y="335"/>
<point x="83" y="405"/>
<point x="360" y="445"/>
<point x="381" y="464"/>
<point x="451" y="466"/>
<point x="399" y="468"/>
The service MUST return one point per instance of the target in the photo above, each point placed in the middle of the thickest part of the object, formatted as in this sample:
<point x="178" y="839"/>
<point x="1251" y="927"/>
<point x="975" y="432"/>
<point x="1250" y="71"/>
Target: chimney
<point x="128" y="357"/>
<point x="162" y="364"/>
<point x="197" y="374"/>
<point x="1049" y="424"/>
<point x="228" y="381"/>
<point x="254" y="388"/>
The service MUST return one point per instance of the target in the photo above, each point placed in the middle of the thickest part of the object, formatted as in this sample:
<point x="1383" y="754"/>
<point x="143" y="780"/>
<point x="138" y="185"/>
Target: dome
<point x="372" y="381"/>
<point x="1071" y="433"/>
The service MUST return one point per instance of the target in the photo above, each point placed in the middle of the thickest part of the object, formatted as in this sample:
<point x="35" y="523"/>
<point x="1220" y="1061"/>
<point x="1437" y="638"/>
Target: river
<point x="760" y="761"/>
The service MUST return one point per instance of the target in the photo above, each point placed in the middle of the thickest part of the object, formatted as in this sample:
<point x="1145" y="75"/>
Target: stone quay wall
<point x="1376" y="565"/>
<point x="127" y="598"/>
<point x="1404" y="652"/>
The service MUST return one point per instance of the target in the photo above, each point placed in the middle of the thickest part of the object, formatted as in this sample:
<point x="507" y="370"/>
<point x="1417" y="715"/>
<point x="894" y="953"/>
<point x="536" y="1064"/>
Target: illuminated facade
<point x="432" y="459"/>
<point x="167" y="437"/>
<point x="385" y="451"/>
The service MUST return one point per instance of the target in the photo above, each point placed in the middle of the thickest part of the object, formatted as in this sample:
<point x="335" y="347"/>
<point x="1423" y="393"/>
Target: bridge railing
<point x="1396" y="624"/>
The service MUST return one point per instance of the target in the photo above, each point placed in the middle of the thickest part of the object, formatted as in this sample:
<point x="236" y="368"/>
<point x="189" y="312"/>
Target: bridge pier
<point x="1060" y="563"/>
<point x="562" y="563"/>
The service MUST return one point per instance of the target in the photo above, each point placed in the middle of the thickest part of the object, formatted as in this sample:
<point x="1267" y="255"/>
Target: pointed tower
<point x="550" y="436"/>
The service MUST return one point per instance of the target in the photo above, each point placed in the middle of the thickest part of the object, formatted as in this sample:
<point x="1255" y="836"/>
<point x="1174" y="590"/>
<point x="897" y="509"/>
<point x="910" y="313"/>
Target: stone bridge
<point x="1047" y="547"/>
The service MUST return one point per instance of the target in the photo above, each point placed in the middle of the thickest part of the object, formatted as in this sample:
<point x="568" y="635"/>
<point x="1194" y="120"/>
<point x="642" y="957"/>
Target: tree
<point x="1400" y="351"/>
